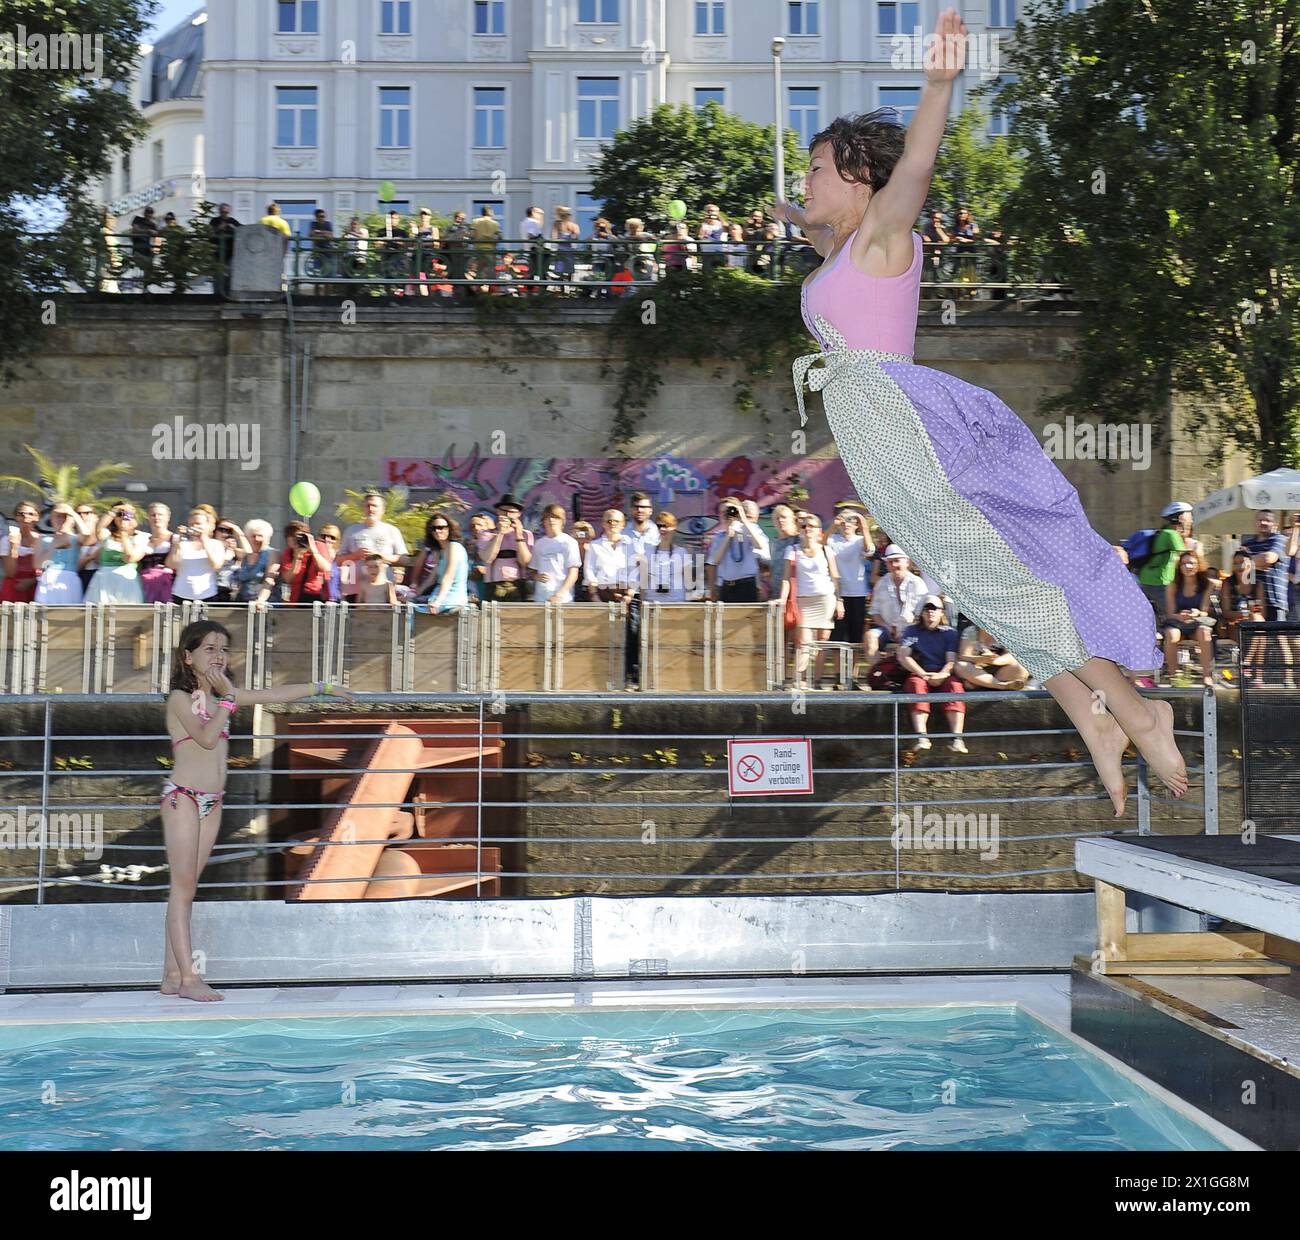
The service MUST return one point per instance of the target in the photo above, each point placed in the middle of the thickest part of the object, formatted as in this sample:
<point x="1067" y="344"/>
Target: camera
<point x="302" y="540"/>
<point x="731" y="511"/>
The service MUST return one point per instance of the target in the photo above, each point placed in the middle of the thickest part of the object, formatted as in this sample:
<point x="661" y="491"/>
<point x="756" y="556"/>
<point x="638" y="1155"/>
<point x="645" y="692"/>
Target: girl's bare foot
<point x="171" y="983"/>
<point x="1107" y="749"/>
<point x="199" y="991"/>
<point x="1158" y="746"/>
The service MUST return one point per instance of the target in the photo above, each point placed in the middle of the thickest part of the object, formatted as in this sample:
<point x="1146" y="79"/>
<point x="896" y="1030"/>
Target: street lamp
<point x="778" y="45"/>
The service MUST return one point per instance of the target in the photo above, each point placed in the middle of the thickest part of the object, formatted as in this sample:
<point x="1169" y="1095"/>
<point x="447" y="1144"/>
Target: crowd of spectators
<point x="413" y="256"/>
<point x="1195" y="604"/>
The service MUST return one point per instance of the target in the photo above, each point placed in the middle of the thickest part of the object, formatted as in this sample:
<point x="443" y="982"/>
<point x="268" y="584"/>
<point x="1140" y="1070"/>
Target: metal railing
<point x="457" y="267"/>
<point x="674" y="800"/>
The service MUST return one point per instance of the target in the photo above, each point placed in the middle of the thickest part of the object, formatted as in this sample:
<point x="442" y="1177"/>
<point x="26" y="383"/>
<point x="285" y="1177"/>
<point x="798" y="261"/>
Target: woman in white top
<point x="816" y="582"/>
<point x="609" y="566"/>
<point x="668" y="571"/>
<point x="735" y="248"/>
<point x="195" y="558"/>
<point x="852" y="550"/>
<point x="120" y="545"/>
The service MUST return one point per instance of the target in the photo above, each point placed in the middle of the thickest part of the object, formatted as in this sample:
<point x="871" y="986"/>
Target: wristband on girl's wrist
<point x="227" y="702"/>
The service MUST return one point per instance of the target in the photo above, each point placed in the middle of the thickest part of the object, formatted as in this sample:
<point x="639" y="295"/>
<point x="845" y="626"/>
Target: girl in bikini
<point x="199" y="708"/>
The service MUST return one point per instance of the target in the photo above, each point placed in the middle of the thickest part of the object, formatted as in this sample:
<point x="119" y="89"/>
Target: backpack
<point x="1138" y="547"/>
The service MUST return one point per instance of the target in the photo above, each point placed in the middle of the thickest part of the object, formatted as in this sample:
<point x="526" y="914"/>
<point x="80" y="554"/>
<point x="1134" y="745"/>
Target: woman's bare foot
<point x="1160" y="749"/>
<point x="1107" y="749"/>
<point x="171" y="983"/>
<point x="199" y="991"/>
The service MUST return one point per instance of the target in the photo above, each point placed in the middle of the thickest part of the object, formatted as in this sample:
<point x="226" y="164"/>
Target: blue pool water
<point x="825" y="1078"/>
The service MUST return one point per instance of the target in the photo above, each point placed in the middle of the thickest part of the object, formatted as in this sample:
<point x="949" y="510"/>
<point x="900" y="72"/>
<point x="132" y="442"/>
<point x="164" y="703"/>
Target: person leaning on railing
<point x="303" y="572"/>
<point x="254" y="557"/>
<point x="441" y="570"/>
<point x="556" y="561"/>
<point x="196" y="557"/>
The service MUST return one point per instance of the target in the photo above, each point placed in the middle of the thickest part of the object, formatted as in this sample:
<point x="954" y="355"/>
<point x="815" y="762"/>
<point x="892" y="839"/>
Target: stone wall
<point x="424" y="382"/>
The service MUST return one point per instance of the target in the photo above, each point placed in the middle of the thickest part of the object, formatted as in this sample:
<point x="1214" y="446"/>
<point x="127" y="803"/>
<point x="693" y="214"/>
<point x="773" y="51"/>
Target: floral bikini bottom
<point x="206" y="802"/>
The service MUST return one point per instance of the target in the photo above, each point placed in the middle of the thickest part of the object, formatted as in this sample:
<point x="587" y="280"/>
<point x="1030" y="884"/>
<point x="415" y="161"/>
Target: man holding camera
<point x="507" y="552"/>
<point x="736" y="553"/>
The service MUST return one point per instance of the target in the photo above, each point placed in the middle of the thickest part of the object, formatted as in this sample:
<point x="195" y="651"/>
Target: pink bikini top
<point x="199" y="704"/>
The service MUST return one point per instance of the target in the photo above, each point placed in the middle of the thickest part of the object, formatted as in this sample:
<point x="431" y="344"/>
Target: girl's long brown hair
<point x="191" y="639"/>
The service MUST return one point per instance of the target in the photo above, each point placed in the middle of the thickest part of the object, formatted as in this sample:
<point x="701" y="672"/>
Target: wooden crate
<point x="65" y="661"/>
<point x="590" y="646"/>
<point x="675" y="647"/>
<point x="442" y="652"/>
<point x="516" y="647"/>
<point x="374" y="646"/>
<point x="748" y="647"/>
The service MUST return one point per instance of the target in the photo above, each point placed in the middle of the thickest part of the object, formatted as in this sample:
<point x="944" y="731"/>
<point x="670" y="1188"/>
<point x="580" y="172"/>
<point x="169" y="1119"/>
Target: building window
<point x="297" y="17"/>
<point x="899" y="18"/>
<point x="598" y="11"/>
<point x="597" y="107"/>
<point x="298" y="215"/>
<point x="395" y="116"/>
<point x="903" y="99"/>
<point x="803" y="16"/>
<point x="126" y="174"/>
<point x="805" y="112"/>
<point x="489" y="116"/>
<point x="158" y="160"/>
<point x="295" y="116"/>
<point x="710" y="17"/>
<point x="1001" y="116"/>
<point x="586" y="211"/>
<point x="489" y="17"/>
<point x="710" y="94"/>
<point x="1002" y="12"/>
<point x="401" y="205"/>
<point x="395" y="17"/>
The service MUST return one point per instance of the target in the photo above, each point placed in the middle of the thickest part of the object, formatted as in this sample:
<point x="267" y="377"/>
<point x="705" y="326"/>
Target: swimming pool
<point x="944" y="1077"/>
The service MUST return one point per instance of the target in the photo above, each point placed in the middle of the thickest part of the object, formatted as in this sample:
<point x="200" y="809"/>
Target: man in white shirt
<point x="736" y="553"/>
<point x="642" y="533"/>
<point x="373" y="536"/>
<point x="555" y="561"/>
<point x="531" y="229"/>
<point x="895" y="603"/>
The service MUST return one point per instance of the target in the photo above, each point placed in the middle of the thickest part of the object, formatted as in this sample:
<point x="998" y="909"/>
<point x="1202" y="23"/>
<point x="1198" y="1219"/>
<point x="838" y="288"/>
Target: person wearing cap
<point x="1162" y="564"/>
<point x="927" y="652"/>
<point x="895" y="603"/>
<point x="373" y="534"/>
<point x="507" y="553"/>
<point x="56" y="559"/>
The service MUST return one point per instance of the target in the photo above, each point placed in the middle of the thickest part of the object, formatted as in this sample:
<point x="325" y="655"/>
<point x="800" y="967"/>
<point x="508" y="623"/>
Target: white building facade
<point x="466" y="103"/>
<point x="164" y="170"/>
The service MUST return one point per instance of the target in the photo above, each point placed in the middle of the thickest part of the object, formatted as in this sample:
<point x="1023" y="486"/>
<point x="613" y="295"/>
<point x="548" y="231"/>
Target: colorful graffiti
<point x="690" y="488"/>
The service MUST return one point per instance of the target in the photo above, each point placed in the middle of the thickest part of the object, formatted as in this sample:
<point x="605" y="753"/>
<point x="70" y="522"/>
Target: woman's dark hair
<point x="191" y="639"/>
<point x="865" y="147"/>
<point x="453" y="529"/>
<point x="1202" y="572"/>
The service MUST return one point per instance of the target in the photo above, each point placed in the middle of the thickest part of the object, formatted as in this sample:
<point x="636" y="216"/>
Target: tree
<point x="59" y="128"/>
<point x="973" y="170"/>
<point x="1166" y="139"/>
<point x="699" y="155"/>
<point x="64" y="484"/>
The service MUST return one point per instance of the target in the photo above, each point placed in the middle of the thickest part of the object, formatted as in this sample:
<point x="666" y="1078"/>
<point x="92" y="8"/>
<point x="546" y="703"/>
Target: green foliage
<point x="702" y="316"/>
<point x="973" y="170"/>
<point x="64" y="484"/>
<point x="1167" y="143"/>
<point x="58" y="132"/>
<point x="698" y="155"/>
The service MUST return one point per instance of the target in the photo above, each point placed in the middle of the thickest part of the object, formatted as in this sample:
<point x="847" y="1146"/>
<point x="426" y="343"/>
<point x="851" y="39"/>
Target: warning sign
<point x="769" y="767"/>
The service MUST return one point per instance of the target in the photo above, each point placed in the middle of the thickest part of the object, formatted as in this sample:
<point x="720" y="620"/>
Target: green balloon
<point x="387" y="191"/>
<point x="304" y="498"/>
<point x="677" y="209"/>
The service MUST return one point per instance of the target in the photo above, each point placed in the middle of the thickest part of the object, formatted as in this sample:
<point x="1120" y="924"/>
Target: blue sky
<point x="172" y="12"/>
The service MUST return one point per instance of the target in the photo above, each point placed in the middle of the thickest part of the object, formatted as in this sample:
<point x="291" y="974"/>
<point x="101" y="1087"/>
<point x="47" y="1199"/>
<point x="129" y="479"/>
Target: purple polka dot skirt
<point x="962" y="485"/>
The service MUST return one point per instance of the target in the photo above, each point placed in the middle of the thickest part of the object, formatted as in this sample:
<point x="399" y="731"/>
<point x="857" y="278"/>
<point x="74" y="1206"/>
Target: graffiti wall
<point x="690" y="488"/>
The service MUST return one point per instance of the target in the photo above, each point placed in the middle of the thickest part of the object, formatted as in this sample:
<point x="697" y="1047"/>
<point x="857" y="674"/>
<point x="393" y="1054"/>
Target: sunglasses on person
<point x="663" y="525"/>
<point x="443" y="526"/>
<point x="85" y="512"/>
<point x="225" y="531"/>
<point x="931" y="607"/>
<point x="329" y="538"/>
